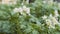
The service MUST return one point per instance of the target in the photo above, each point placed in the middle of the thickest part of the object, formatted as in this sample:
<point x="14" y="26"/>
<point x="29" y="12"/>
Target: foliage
<point x="16" y="23"/>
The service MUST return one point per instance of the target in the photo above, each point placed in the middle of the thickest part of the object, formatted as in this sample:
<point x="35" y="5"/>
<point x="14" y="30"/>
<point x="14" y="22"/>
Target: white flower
<point x="26" y="9"/>
<point x="44" y="17"/>
<point x="54" y="20"/>
<point x="56" y="13"/>
<point x="22" y="10"/>
<point x="16" y="10"/>
<point x="50" y="24"/>
<point x="51" y="21"/>
<point x="48" y="21"/>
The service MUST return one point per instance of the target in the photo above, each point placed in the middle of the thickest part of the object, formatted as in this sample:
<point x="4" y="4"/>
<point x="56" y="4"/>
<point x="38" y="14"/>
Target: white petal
<point x="15" y="10"/>
<point x="28" y="10"/>
<point x="44" y="17"/>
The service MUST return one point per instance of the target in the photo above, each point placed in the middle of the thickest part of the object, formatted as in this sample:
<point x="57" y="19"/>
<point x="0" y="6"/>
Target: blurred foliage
<point x="18" y="24"/>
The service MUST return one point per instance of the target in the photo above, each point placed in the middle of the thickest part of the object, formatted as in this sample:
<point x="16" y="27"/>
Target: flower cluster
<point x="51" y="21"/>
<point x="22" y="10"/>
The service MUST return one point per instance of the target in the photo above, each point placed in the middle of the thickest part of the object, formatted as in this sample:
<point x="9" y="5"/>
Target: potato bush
<point x="38" y="17"/>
